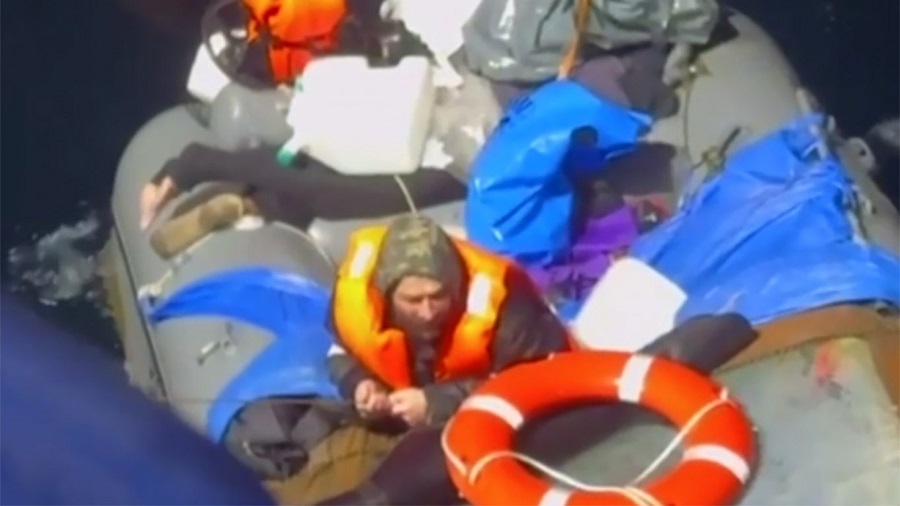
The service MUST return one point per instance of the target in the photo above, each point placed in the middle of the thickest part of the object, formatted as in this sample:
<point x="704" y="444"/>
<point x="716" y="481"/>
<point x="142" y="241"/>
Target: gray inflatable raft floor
<point x="821" y="442"/>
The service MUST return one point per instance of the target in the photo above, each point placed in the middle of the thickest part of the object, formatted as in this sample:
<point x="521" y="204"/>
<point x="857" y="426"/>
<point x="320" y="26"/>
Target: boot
<point x="180" y="233"/>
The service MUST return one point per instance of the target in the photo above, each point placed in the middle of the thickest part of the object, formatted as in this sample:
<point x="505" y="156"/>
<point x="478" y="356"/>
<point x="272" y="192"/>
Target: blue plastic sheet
<point x="772" y="235"/>
<point x="292" y="308"/>
<point x="74" y="432"/>
<point x="520" y="198"/>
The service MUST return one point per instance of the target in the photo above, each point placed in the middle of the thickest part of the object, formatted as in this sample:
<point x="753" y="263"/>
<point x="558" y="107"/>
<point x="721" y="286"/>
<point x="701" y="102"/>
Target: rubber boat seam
<point x="159" y="383"/>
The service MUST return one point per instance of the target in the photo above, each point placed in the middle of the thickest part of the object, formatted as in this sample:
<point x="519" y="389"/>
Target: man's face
<point x="420" y="306"/>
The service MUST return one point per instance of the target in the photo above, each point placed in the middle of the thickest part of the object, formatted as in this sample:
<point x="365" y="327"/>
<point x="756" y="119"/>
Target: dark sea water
<point x="79" y="77"/>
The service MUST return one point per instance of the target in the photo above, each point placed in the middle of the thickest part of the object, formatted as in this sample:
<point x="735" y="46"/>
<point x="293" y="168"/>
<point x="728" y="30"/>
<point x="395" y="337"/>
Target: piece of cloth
<point x="524" y="40"/>
<point x="72" y="431"/>
<point x="630" y="77"/>
<point x="567" y="281"/>
<point x="310" y="190"/>
<point x="341" y="462"/>
<point x="276" y="436"/>
<point x="413" y="473"/>
<point x="526" y="328"/>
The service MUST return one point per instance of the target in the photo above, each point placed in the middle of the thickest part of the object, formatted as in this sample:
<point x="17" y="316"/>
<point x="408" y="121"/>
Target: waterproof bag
<point x="521" y="199"/>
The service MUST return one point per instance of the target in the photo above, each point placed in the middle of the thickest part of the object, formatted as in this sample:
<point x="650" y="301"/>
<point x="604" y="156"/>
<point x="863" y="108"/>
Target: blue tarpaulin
<point x="520" y="198"/>
<point x="292" y="308"/>
<point x="771" y="236"/>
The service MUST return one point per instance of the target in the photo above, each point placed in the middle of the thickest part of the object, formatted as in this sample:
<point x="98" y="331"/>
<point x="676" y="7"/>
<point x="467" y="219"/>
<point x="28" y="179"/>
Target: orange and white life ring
<point x="720" y="443"/>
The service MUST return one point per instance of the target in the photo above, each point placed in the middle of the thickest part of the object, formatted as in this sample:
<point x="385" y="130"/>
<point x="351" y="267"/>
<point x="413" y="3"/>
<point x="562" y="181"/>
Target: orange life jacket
<point x="297" y="30"/>
<point x="359" y="314"/>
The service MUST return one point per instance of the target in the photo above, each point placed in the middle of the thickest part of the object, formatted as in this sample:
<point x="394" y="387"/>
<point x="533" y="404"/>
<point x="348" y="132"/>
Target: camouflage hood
<point x="416" y="245"/>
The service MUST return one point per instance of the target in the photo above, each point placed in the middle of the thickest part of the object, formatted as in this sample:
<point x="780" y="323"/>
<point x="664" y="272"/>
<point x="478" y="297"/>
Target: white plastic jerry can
<point x="359" y="119"/>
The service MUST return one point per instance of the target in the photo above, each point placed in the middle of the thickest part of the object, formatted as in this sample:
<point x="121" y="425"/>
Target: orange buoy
<point x="720" y="444"/>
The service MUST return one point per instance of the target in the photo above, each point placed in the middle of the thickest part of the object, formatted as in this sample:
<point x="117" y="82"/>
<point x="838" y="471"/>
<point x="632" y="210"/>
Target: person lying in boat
<point x="294" y="196"/>
<point x="420" y="320"/>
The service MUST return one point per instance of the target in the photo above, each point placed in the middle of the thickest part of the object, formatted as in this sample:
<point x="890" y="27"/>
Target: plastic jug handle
<point x="289" y="150"/>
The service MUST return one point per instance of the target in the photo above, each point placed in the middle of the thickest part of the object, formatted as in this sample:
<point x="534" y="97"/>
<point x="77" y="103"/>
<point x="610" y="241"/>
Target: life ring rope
<point x="630" y="387"/>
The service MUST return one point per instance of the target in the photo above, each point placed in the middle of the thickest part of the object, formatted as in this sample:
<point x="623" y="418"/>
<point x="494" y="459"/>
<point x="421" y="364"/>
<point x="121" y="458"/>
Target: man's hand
<point x="155" y="196"/>
<point x="371" y="399"/>
<point x="411" y="405"/>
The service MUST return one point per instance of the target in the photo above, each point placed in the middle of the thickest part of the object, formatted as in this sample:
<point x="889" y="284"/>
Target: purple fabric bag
<point x="568" y="281"/>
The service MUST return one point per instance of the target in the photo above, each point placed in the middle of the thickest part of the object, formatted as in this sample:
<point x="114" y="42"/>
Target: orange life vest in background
<point x="296" y="30"/>
<point x="359" y="314"/>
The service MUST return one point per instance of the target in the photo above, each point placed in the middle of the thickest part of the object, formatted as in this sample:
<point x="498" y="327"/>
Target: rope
<point x="582" y="9"/>
<point x="406" y="194"/>
<point x="685" y="114"/>
<point x="631" y="491"/>
<point x="155" y="288"/>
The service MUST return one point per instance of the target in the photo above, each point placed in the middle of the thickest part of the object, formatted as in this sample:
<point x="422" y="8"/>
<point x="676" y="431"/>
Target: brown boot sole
<point x="178" y="234"/>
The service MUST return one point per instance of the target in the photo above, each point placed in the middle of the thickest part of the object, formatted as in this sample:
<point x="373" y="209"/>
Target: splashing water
<point x="62" y="265"/>
<point x="888" y="132"/>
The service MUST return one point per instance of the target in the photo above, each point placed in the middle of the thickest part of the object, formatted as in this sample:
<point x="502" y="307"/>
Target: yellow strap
<point x="582" y="9"/>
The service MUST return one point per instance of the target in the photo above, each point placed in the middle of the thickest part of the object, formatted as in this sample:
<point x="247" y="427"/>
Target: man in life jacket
<point x="421" y="319"/>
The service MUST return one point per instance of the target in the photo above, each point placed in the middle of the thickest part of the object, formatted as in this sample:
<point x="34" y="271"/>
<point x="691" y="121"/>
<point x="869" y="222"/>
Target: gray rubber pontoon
<point x="815" y="450"/>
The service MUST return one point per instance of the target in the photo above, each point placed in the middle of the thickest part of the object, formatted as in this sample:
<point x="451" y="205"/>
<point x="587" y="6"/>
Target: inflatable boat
<point x="234" y="319"/>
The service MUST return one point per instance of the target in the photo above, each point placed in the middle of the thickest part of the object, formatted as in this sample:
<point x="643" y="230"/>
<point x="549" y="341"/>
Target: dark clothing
<point x="526" y="329"/>
<point x="275" y="436"/>
<point x="341" y="462"/>
<point x="311" y="190"/>
<point x="631" y="77"/>
<point x="413" y="473"/>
